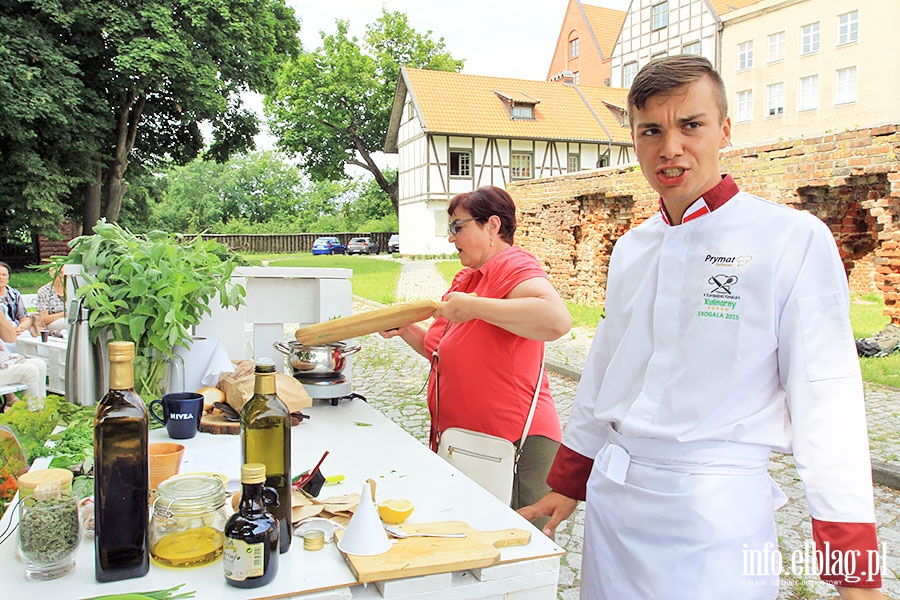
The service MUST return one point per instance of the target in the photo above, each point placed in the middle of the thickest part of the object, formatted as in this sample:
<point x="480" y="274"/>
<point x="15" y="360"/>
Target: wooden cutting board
<point x="411" y="557"/>
<point x="372" y="321"/>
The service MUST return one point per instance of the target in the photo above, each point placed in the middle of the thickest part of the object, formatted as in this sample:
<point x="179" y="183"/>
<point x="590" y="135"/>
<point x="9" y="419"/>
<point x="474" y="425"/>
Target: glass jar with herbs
<point x="49" y="532"/>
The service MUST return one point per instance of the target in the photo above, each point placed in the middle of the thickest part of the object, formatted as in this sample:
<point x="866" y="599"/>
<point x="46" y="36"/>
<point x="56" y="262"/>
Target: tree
<point x="332" y="106"/>
<point x="146" y="73"/>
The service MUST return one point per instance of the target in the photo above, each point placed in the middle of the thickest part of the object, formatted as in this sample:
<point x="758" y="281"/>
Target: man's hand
<point x="553" y="505"/>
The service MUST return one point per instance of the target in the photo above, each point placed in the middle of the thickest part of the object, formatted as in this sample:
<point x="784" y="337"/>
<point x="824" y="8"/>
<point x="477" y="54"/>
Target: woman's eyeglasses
<point x="455" y="226"/>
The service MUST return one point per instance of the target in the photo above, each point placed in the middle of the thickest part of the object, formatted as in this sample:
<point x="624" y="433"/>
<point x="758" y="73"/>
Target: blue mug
<point x="181" y="412"/>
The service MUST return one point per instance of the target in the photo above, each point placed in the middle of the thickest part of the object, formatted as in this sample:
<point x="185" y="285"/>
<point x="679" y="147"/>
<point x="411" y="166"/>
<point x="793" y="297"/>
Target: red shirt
<point x="487" y="374"/>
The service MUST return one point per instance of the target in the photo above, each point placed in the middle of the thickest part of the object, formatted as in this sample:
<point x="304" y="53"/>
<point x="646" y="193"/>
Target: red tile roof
<point x="461" y="104"/>
<point x="606" y="24"/>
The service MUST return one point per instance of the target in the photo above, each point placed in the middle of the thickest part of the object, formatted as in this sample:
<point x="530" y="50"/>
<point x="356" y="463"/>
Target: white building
<point x="455" y="132"/>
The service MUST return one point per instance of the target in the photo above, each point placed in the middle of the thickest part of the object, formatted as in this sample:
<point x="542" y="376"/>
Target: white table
<point x="52" y="352"/>
<point x="362" y="444"/>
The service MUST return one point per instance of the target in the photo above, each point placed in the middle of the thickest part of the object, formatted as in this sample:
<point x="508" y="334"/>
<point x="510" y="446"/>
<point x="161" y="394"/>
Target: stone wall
<point x="850" y="180"/>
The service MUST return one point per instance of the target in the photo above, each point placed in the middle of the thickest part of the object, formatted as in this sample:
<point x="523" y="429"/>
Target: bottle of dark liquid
<point x="121" y="474"/>
<point x="251" y="534"/>
<point x="266" y="439"/>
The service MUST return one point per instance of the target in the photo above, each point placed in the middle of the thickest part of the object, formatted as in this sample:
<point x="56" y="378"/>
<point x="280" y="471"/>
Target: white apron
<point x="680" y="520"/>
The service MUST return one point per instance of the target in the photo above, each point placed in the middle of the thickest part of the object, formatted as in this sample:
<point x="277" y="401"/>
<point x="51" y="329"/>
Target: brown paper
<point x="337" y="508"/>
<point x="238" y="387"/>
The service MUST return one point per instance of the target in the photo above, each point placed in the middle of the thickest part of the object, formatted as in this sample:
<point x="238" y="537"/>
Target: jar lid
<point x="190" y="492"/>
<point x="30" y="480"/>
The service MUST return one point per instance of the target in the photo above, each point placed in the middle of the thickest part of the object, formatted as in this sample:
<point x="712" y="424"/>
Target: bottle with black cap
<point x="266" y="439"/>
<point x="251" y="534"/>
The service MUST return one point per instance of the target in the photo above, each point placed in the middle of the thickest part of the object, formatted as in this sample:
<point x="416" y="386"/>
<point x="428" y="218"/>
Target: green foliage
<point x="90" y="90"/>
<point x="373" y="278"/>
<point x="867" y="318"/>
<point x="33" y="428"/>
<point x="331" y="106"/>
<point x="150" y="289"/>
<point x="264" y="193"/>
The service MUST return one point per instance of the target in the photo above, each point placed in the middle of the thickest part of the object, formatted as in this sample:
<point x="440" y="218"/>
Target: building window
<point x="744" y="106"/>
<point x="693" y="48"/>
<point x="809" y="38"/>
<point x="523" y="112"/>
<point x="776" y="99"/>
<point x="745" y="56"/>
<point x="809" y="93"/>
<point x="520" y="165"/>
<point x="573" y="48"/>
<point x="460" y="163"/>
<point x="574" y="163"/>
<point x="410" y="111"/>
<point x="845" y="90"/>
<point x="659" y="15"/>
<point x="629" y="72"/>
<point x="848" y="28"/>
<point x="776" y="47"/>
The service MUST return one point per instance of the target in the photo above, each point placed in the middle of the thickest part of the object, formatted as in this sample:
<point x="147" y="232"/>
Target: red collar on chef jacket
<point x="705" y="204"/>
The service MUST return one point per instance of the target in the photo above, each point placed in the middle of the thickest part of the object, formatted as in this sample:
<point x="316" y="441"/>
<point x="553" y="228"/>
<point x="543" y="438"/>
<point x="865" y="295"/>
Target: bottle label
<point x="243" y="560"/>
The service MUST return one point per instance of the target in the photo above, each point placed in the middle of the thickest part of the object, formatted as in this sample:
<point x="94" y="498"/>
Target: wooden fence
<point x="288" y="243"/>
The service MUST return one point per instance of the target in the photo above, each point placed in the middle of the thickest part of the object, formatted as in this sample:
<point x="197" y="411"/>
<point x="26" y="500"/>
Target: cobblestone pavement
<point x="391" y="376"/>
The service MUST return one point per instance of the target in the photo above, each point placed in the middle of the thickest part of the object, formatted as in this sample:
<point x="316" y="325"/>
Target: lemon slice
<point x="395" y="512"/>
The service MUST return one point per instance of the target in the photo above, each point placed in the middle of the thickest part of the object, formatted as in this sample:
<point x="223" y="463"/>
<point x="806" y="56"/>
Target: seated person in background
<point x="13" y="307"/>
<point x="51" y="305"/>
<point x="16" y="369"/>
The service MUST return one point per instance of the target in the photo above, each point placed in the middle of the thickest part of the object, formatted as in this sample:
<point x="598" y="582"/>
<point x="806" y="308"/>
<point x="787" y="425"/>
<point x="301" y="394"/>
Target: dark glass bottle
<point x="121" y="474"/>
<point x="266" y="439"/>
<point x="251" y="534"/>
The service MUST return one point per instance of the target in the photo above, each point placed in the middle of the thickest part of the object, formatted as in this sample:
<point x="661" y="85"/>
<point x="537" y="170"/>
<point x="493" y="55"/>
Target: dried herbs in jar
<point x="49" y="533"/>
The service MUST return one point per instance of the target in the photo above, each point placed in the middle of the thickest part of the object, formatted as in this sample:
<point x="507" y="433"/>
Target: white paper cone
<point x="365" y="536"/>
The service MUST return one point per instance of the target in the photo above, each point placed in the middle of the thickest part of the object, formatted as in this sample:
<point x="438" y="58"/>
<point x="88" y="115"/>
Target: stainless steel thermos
<point x="85" y="367"/>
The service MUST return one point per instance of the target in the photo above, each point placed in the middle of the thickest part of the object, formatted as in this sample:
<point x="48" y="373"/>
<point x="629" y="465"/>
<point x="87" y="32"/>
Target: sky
<point x="501" y="38"/>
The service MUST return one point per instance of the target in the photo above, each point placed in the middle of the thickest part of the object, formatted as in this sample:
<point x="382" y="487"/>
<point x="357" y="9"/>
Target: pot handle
<point x="350" y="350"/>
<point x="282" y="347"/>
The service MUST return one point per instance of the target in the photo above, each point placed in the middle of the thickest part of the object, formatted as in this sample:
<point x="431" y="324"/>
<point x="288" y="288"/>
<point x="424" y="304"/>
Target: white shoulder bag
<point x="487" y="459"/>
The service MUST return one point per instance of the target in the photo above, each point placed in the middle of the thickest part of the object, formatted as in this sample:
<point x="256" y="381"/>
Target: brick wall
<point x="850" y="180"/>
<point x="47" y="247"/>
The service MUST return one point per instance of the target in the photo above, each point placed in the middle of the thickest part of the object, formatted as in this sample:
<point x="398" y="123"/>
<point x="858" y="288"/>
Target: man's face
<point x="677" y="138"/>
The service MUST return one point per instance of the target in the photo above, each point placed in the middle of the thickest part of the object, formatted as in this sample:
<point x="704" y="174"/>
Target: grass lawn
<point x="28" y="281"/>
<point x="373" y="278"/>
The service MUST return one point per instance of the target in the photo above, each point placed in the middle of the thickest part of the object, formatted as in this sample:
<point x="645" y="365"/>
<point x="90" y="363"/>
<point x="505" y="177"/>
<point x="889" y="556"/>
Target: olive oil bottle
<point x="121" y="474"/>
<point x="266" y="439"/>
<point x="251" y="534"/>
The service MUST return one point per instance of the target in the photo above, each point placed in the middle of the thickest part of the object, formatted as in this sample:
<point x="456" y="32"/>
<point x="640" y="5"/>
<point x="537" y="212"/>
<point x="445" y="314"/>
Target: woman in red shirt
<point x="490" y="332"/>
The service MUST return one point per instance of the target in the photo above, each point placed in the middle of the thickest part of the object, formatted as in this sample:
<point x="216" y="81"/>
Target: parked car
<point x="394" y="243"/>
<point x="362" y="245"/>
<point x="328" y="245"/>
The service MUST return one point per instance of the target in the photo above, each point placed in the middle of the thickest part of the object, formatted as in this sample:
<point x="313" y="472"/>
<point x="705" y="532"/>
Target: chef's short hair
<point x="666" y="75"/>
<point x="485" y="202"/>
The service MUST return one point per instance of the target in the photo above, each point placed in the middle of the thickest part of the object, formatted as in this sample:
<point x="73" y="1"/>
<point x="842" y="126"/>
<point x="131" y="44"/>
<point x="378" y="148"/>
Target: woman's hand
<point x="414" y="335"/>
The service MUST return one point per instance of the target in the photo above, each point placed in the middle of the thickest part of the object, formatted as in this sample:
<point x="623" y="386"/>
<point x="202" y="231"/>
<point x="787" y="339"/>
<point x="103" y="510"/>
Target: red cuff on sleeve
<point x="569" y="473"/>
<point x="847" y="554"/>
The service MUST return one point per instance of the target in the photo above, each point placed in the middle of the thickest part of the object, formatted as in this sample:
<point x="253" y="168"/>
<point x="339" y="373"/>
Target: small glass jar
<point x="188" y="520"/>
<point x="49" y="532"/>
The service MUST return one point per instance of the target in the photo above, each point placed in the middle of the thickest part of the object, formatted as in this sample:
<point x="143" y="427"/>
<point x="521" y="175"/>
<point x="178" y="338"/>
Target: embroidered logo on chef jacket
<point x="722" y="299"/>
<point x="727" y="261"/>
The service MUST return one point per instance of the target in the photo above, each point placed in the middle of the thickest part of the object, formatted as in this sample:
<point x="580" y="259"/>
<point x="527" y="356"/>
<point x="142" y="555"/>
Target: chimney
<point x="566" y="77"/>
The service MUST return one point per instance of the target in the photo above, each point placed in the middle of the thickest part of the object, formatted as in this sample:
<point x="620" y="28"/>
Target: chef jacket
<point x="733" y="326"/>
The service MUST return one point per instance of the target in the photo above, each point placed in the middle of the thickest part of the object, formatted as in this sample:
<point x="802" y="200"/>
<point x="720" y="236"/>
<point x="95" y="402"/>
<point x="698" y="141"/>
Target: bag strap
<point x="534" y="400"/>
<point x="531" y="409"/>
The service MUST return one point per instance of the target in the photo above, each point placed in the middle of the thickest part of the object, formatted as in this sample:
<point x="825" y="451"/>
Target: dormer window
<point x="520" y="107"/>
<point x="523" y="111"/>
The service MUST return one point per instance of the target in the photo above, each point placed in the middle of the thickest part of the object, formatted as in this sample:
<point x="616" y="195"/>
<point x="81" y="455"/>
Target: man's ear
<point x="726" y="133"/>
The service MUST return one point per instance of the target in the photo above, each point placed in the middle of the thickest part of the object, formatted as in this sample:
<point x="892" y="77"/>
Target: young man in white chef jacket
<point x="726" y="336"/>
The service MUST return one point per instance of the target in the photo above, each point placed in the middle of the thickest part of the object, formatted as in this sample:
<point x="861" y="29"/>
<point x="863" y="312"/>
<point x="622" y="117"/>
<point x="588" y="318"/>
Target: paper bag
<point x="238" y="387"/>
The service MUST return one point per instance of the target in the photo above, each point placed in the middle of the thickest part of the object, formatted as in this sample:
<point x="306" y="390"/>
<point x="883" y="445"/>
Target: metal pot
<point x="322" y="360"/>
